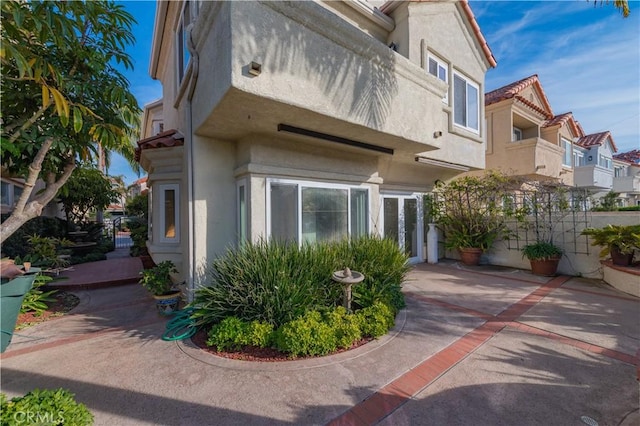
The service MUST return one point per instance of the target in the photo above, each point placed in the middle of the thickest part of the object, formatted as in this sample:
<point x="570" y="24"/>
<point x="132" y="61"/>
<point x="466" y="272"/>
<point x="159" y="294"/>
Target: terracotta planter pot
<point x="545" y="267"/>
<point x="470" y="256"/>
<point x="620" y="259"/>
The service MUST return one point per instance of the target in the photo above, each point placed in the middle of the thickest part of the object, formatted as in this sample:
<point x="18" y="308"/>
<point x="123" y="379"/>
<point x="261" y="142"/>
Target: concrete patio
<point x="483" y="346"/>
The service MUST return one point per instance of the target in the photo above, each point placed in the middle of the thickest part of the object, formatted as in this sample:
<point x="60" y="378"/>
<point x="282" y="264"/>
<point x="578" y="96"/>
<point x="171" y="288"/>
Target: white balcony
<point x="626" y="184"/>
<point x="593" y="177"/>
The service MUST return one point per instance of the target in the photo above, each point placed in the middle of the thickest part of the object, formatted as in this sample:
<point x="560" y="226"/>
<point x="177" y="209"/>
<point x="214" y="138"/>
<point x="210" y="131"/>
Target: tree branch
<point x="28" y="124"/>
<point x="34" y="171"/>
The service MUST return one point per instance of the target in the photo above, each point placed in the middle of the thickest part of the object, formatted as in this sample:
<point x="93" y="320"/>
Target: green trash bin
<point x="11" y="296"/>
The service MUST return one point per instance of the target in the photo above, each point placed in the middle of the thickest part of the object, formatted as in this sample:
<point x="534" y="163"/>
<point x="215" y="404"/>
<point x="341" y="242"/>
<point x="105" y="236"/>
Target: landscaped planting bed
<point x="279" y="299"/>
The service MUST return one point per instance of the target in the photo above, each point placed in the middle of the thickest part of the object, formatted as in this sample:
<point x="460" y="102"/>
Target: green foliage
<point x="63" y="91"/>
<point x="46" y="407"/>
<point x="43" y="252"/>
<point x="471" y="210"/>
<point x="629" y="209"/>
<point x="626" y="239"/>
<point x="36" y="300"/>
<point x="276" y="283"/>
<point x="346" y="327"/>
<point x="139" y="235"/>
<point x="376" y="320"/>
<point x="307" y="335"/>
<point x="157" y="280"/>
<point x="233" y="333"/>
<point x="541" y="250"/>
<point x="607" y="203"/>
<point x="138" y="206"/>
<point x="15" y="245"/>
<point x="87" y="190"/>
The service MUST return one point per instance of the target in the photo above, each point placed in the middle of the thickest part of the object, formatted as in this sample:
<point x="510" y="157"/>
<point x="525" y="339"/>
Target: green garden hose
<point x="181" y="326"/>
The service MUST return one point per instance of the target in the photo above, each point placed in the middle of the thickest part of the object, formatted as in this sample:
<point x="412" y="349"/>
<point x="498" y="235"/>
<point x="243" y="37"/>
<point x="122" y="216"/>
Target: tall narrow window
<point x="242" y="213"/>
<point x="359" y="209"/>
<point x="466" y="103"/>
<point x="169" y="216"/>
<point x="189" y="12"/>
<point x="566" y="158"/>
<point x="439" y="69"/>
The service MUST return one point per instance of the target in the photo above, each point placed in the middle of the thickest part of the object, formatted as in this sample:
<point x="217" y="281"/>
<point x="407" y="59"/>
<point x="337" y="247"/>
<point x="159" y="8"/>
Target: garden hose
<point x="181" y="326"/>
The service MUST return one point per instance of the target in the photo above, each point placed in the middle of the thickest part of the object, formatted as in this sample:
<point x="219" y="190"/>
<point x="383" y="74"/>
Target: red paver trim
<point x="73" y="339"/>
<point x="516" y="310"/>
<point x="611" y="296"/>
<point x="570" y="341"/>
<point x="451" y="306"/>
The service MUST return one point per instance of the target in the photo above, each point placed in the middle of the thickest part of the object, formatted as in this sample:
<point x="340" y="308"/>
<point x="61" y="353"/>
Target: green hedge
<point x="45" y="407"/>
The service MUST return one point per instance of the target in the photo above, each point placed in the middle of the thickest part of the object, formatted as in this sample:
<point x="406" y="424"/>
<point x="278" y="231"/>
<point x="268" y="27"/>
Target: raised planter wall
<point x="624" y="278"/>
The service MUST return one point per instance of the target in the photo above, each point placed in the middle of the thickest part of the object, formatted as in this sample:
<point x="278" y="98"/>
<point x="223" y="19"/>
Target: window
<point x="466" y="103"/>
<point x="188" y="15"/>
<point x="604" y="161"/>
<point x="618" y="171"/>
<point x="439" y="69"/>
<point x="10" y="194"/>
<point x="308" y="212"/>
<point x="578" y="158"/>
<point x="517" y="134"/>
<point x="567" y="156"/>
<point x="170" y="214"/>
<point x="242" y="212"/>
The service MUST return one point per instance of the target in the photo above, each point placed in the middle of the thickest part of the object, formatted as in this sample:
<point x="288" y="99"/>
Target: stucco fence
<point x="580" y="258"/>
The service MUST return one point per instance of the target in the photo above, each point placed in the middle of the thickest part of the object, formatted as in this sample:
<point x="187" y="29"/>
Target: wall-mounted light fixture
<point x="437" y="134"/>
<point x="255" y="69"/>
<point x="590" y="158"/>
<point x="444" y="164"/>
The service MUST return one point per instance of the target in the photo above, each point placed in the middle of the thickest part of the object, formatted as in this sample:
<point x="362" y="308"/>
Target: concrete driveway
<point x="482" y="346"/>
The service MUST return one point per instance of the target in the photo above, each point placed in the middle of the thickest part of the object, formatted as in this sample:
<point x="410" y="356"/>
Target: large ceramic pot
<point x="470" y="256"/>
<point x="545" y="267"/>
<point x="13" y="293"/>
<point x="168" y="303"/>
<point x="620" y="259"/>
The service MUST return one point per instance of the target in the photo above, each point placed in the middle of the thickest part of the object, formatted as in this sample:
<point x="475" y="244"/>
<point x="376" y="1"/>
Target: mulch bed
<point x="252" y="353"/>
<point x="64" y="302"/>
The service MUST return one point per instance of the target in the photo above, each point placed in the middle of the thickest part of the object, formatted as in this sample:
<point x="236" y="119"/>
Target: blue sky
<point x="586" y="56"/>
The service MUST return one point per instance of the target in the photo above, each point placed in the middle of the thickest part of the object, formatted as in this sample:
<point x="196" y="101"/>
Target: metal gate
<point x="121" y="233"/>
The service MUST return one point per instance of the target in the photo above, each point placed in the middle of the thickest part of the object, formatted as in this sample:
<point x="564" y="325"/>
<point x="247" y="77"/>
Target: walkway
<point x="480" y="346"/>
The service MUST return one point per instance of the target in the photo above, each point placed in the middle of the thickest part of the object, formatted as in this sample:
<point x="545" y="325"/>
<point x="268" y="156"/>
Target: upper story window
<point x="157" y="126"/>
<point x="517" y="134"/>
<point x="618" y="171"/>
<point x="189" y="12"/>
<point x="566" y="157"/>
<point x="604" y="161"/>
<point x="466" y="103"/>
<point x="578" y="158"/>
<point x="439" y="69"/>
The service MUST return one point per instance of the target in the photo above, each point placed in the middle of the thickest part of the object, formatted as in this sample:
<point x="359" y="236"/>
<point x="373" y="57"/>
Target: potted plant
<point x="618" y="241"/>
<point x="157" y="281"/>
<point x="470" y="210"/>
<point x="544" y="257"/>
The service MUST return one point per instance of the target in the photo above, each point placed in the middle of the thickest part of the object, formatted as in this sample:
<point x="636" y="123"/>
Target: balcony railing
<point x="626" y="184"/>
<point x="593" y="177"/>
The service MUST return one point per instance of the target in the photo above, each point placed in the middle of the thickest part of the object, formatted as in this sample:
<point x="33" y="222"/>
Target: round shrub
<point x="51" y="407"/>
<point x="346" y="327"/>
<point x="232" y="334"/>
<point x="376" y="320"/>
<point x="307" y="335"/>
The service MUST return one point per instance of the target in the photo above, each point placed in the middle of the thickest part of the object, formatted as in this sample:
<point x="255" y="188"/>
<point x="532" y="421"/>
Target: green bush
<point x="376" y="320"/>
<point x="233" y="333"/>
<point x="307" y="335"/>
<point x="629" y="209"/>
<point x="15" y="245"/>
<point x="46" y="407"/>
<point x="36" y="300"/>
<point x="346" y="327"/>
<point x="276" y="282"/>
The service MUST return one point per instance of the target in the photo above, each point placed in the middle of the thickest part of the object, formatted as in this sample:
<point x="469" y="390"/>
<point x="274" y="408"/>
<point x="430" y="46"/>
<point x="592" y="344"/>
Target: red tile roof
<point x="389" y="6"/>
<point x="165" y="139"/>
<point x="596" y="139"/>
<point x="565" y="119"/>
<point x="629" y="156"/>
<point x="513" y="90"/>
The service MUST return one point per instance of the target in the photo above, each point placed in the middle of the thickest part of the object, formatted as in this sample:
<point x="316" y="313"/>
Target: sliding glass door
<point x="402" y="221"/>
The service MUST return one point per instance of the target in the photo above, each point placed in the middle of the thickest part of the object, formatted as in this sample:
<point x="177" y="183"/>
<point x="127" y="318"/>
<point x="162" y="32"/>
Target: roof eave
<point x="158" y="32"/>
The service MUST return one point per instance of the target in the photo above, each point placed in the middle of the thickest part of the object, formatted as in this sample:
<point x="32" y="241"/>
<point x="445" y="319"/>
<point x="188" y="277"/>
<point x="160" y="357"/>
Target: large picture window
<point x="309" y="212"/>
<point x="466" y="103"/>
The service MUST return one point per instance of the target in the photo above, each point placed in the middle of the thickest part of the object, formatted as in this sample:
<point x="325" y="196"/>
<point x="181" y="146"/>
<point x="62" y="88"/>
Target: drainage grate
<point x="588" y="420"/>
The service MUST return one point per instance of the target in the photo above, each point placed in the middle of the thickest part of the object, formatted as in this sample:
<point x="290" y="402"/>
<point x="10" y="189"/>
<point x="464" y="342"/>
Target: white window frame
<point x="162" y="188"/>
<point x="567" y="155"/>
<point x="476" y="86"/>
<point x="578" y="158"/>
<point x="604" y="161"/>
<point x="440" y="65"/>
<point x="313" y="184"/>
<point x="192" y="8"/>
<point x="516" y="134"/>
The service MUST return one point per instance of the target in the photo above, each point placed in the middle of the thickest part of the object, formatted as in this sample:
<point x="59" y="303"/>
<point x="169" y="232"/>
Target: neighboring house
<point x="525" y="138"/>
<point x="596" y="169"/>
<point x="626" y="177"/>
<point x="307" y="121"/>
<point x="139" y="187"/>
<point x="11" y="190"/>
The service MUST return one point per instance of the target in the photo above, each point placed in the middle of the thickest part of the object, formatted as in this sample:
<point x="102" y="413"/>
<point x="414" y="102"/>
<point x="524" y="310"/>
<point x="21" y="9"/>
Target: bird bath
<point x="347" y="278"/>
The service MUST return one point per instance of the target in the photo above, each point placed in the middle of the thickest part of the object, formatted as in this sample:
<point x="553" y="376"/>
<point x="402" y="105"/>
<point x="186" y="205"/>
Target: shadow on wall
<point x="293" y="47"/>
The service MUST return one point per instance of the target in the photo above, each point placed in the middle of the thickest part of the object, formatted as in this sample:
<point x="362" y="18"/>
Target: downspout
<point x="195" y="67"/>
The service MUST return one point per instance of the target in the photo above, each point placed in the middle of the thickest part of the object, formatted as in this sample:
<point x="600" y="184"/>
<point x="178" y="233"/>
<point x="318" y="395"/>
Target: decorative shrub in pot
<point x="157" y="281"/>
<point x="618" y="241"/>
<point x="544" y="257"/>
